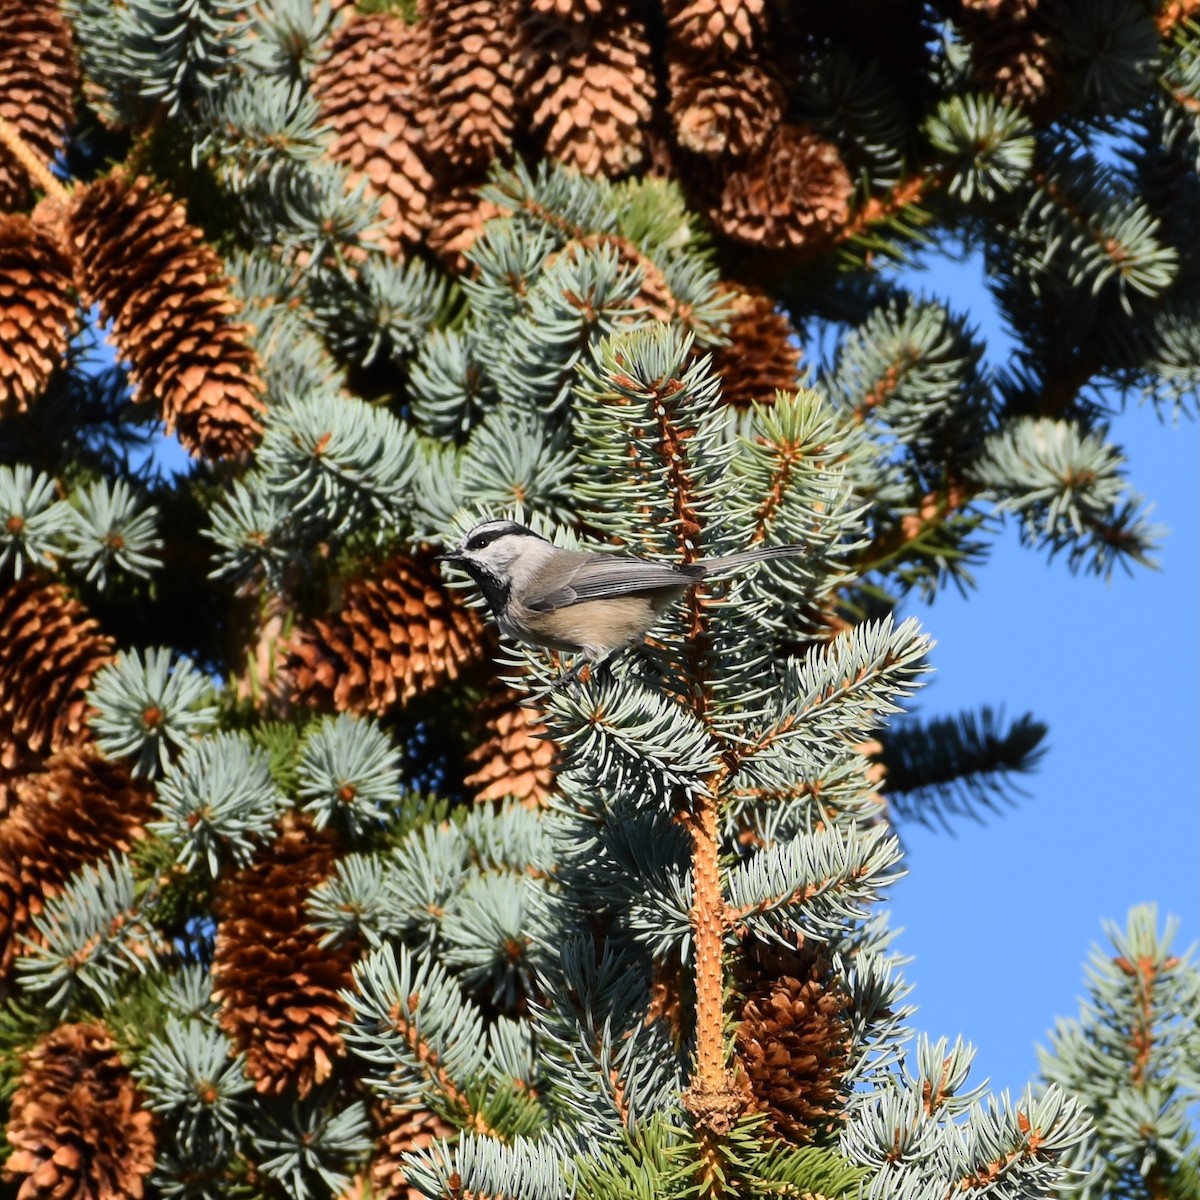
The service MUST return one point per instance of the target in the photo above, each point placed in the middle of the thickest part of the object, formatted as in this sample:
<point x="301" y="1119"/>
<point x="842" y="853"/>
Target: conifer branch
<point x="936" y="508"/>
<point x="900" y="199"/>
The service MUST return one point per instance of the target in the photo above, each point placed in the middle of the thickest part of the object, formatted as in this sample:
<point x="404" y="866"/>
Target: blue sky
<point x="1000" y="917"/>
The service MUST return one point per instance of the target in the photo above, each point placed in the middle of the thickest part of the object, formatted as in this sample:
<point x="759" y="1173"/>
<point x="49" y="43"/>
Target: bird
<point x="586" y="603"/>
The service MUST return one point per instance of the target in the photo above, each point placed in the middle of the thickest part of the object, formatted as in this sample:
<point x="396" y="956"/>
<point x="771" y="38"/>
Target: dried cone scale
<point x="566" y="11"/>
<point x="399" y="1131"/>
<point x="718" y="27"/>
<point x="1012" y="49"/>
<point x="38" y="77"/>
<point x="276" y="985"/>
<point x="36" y="309"/>
<point x="76" y="1126"/>
<point x="164" y="289"/>
<point x="398" y="633"/>
<point x="72" y="812"/>
<point x="458" y="219"/>
<point x="372" y="94"/>
<point x="49" y="650"/>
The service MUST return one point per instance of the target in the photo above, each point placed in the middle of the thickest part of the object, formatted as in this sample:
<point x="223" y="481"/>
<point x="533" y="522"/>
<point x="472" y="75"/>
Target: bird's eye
<point x="477" y="542"/>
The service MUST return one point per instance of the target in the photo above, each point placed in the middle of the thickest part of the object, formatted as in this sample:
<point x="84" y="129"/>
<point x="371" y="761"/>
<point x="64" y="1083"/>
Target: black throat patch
<point x="495" y="590"/>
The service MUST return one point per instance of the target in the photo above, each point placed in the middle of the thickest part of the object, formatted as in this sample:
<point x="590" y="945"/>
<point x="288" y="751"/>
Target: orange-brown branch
<point x="713" y="1097"/>
<point x="781" y="481"/>
<point x="428" y="1058"/>
<point x="935" y="508"/>
<point x="880" y="208"/>
<point x="990" y="1172"/>
<point x="735" y="916"/>
<point x="1141" y="1036"/>
<point x="37" y="170"/>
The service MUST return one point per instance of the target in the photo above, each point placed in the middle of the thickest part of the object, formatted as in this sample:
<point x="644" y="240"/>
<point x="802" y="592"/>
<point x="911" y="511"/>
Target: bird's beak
<point x="451" y="556"/>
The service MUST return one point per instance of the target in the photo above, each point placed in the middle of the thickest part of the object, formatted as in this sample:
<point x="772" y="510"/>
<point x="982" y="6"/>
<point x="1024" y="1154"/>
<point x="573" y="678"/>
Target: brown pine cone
<point x="590" y="89"/>
<point x="38" y="78"/>
<point x="77" y="1126"/>
<point x="164" y="288"/>
<point x="49" y="650"/>
<point x="569" y="12"/>
<point x="399" y="1132"/>
<point x="792" y="1038"/>
<point x="399" y="632"/>
<point x="372" y="93"/>
<point x="1010" y="10"/>
<point x="71" y="813"/>
<point x="458" y="216"/>
<point x="723" y="108"/>
<point x="36" y="309"/>
<point x="469" y="78"/>
<point x="763" y="354"/>
<point x="792" y="193"/>
<point x="513" y="756"/>
<point x="276" y="986"/>
<point x="1012" y="49"/>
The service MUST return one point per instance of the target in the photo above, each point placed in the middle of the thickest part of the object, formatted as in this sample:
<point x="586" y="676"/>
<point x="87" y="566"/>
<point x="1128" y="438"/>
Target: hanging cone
<point x="276" y="986"/>
<point x="724" y="108"/>
<point x="73" y="812"/>
<point x="792" y="1038"/>
<point x="1012" y="49"/>
<point x="398" y="1132"/>
<point x="763" y="355"/>
<point x="716" y="26"/>
<point x="76" y="1126"/>
<point x="399" y="633"/>
<point x="164" y="289"/>
<point x="38" y="78"/>
<point x="49" y="650"/>
<point x="513" y="756"/>
<point x="458" y="217"/>
<point x="372" y="94"/>
<point x="794" y="192"/>
<point x="590" y="89"/>
<point x="36" y="309"/>
<point x="469" y="80"/>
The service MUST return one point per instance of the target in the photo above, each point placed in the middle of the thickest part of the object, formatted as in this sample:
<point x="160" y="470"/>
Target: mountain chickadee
<point x="580" y="601"/>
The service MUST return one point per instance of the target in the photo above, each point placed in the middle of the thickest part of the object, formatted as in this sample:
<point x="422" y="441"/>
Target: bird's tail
<point x="731" y="564"/>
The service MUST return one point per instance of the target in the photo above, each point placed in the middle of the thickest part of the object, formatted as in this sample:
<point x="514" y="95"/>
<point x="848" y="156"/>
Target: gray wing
<point x="603" y="576"/>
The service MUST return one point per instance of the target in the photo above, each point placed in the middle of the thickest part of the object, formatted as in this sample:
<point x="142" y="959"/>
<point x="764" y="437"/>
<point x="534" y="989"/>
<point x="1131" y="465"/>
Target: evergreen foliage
<point x="1130" y="1056"/>
<point x="666" y="972"/>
